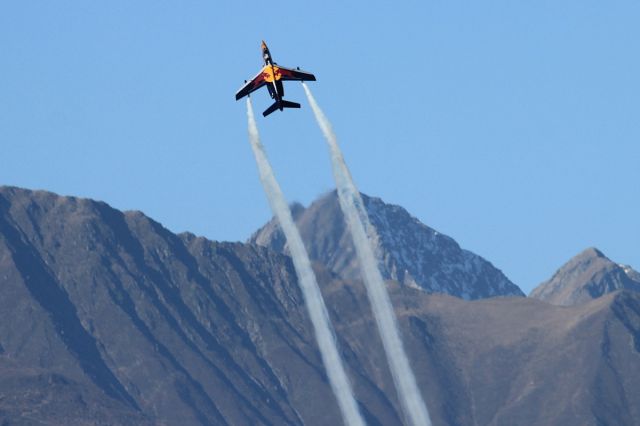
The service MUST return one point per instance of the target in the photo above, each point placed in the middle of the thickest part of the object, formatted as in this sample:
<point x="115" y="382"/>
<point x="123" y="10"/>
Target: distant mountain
<point x="409" y="251"/>
<point x="587" y="276"/>
<point x="109" y="318"/>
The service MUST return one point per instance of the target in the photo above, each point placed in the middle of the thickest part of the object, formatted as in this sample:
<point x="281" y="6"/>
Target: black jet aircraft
<point x="272" y="75"/>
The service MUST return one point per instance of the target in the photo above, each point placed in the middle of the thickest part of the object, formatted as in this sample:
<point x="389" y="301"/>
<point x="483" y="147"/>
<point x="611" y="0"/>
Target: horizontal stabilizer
<point x="288" y="104"/>
<point x="269" y="110"/>
<point x="280" y="105"/>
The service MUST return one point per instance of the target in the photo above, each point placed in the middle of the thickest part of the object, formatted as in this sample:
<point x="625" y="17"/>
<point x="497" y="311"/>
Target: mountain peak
<point x="586" y="276"/>
<point x="408" y="251"/>
<point x="590" y="253"/>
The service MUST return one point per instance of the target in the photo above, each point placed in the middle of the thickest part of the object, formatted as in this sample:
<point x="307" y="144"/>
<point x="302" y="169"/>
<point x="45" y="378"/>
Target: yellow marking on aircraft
<point x="271" y="73"/>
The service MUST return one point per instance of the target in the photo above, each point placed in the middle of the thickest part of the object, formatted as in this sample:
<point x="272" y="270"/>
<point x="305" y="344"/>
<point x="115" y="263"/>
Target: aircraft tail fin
<point x="280" y="105"/>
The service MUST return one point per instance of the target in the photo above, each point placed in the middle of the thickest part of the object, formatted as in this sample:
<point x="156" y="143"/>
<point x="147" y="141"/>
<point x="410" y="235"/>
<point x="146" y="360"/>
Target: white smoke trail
<point x="307" y="280"/>
<point x="358" y="222"/>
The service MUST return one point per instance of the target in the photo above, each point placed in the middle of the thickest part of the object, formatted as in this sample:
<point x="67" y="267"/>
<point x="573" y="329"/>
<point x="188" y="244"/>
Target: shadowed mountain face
<point x="173" y="327"/>
<point x="587" y="276"/>
<point x="108" y="318"/>
<point x="408" y="251"/>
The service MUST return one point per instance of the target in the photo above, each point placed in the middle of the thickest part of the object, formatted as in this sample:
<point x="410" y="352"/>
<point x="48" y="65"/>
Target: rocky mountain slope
<point x="409" y="251"/>
<point x="587" y="276"/>
<point x="108" y="318"/>
<point x="176" y="328"/>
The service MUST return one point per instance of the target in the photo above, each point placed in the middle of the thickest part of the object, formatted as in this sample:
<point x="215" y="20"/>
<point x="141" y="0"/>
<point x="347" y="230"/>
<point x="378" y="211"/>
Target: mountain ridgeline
<point x="109" y="318"/>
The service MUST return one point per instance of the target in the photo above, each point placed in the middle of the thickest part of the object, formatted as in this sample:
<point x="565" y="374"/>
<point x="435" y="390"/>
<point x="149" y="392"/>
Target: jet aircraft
<point x="272" y="75"/>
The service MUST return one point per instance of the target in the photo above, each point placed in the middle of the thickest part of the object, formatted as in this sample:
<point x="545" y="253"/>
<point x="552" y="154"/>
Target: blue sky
<point x="512" y="126"/>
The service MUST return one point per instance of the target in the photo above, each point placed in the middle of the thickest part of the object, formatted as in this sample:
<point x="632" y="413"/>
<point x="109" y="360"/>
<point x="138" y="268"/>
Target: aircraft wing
<point x="254" y="84"/>
<point x="297" y="75"/>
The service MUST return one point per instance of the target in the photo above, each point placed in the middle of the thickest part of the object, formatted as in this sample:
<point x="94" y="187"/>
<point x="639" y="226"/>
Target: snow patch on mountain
<point x="417" y="255"/>
<point x="631" y="273"/>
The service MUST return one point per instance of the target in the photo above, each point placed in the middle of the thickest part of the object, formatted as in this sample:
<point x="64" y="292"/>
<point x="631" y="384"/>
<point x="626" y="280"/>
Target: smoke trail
<point x="307" y="280"/>
<point x="358" y="222"/>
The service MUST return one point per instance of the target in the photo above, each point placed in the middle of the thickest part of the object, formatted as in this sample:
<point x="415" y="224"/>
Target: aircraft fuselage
<point x="272" y="75"/>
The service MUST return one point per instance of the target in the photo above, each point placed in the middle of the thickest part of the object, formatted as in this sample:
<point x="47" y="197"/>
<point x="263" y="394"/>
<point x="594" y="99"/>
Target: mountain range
<point x="110" y="318"/>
